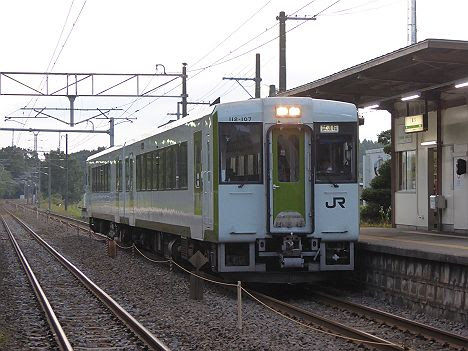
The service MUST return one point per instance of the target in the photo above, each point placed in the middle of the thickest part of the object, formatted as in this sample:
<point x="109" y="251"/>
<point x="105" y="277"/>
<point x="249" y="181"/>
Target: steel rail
<point x="76" y="223"/>
<point x="351" y="333"/>
<point x="144" y="334"/>
<point x="454" y="340"/>
<point x="52" y="319"/>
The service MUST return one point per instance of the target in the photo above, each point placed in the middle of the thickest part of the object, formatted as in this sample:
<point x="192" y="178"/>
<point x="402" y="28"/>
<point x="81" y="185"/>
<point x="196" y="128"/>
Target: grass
<point x="376" y="224"/>
<point x="57" y="206"/>
<point x="3" y="338"/>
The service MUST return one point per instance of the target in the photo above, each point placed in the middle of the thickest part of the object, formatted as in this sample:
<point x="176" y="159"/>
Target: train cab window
<point x="288" y="158"/>
<point x="336" y="152"/>
<point x="240" y="152"/>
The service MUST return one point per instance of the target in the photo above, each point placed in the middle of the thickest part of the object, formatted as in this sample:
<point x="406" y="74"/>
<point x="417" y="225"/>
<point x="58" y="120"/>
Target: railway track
<point x="328" y="325"/>
<point x="81" y="316"/>
<point x="408" y="327"/>
<point x="363" y="325"/>
<point x="428" y="332"/>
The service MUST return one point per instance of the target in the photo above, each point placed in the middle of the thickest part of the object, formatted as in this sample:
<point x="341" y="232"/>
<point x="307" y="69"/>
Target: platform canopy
<point x="428" y="68"/>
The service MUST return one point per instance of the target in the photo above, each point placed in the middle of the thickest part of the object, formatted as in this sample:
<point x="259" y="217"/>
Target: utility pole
<point x="111" y="131"/>
<point x="50" y="181"/>
<point x="412" y="29"/>
<point x="184" y="90"/>
<point x="66" y="172"/>
<point x="257" y="78"/>
<point x="282" y="46"/>
<point x="38" y="188"/>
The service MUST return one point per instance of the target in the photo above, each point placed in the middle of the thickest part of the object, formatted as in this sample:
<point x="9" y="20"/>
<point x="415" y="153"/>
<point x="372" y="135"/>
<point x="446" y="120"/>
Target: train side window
<point x="155" y="169"/>
<point x="130" y="176"/>
<point x="162" y="169"/>
<point x="117" y="177"/>
<point x="182" y="166"/>
<point x="149" y="170"/>
<point x="138" y="172"/>
<point x="171" y="159"/>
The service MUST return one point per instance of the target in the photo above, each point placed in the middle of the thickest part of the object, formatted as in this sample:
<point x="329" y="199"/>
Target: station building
<point x="425" y="89"/>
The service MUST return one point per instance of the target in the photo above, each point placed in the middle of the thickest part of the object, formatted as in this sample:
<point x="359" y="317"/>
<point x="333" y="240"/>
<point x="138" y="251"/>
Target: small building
<point x="425" y="89"/>
<point x="371" y="162"/>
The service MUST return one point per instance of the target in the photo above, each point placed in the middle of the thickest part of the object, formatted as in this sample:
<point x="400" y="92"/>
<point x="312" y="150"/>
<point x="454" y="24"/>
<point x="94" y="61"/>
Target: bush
<point x="378" y="197"/>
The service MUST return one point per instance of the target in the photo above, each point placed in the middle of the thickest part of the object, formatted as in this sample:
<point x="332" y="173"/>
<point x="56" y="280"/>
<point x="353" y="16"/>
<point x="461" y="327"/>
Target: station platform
<point x="420" y="270"/>
<point x="434" y="246"/>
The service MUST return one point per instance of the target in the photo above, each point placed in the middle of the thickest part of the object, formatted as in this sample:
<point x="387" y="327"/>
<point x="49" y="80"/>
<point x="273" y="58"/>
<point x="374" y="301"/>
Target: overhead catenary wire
<point x="217" y="63"/>
<point x="232" y="33"/>
<point x="60" y="52"/>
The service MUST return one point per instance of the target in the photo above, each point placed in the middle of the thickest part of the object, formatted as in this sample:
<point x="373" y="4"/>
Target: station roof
<point x="430" y="66"/>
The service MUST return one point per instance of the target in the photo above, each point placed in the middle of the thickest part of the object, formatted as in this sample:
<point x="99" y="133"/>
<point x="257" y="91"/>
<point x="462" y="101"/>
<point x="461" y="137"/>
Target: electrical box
<point x="437" y="202"/>
<point x="461" y="166"/>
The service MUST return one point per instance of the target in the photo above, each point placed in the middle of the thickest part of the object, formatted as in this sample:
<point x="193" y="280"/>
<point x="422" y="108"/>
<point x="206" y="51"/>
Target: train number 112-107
<point x="240" y="119"/>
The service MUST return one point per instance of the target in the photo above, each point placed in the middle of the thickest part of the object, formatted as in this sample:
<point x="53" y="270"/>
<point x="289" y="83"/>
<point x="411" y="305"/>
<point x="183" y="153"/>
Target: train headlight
<point x="288" y="111"/>
<point x="294" y="111"/>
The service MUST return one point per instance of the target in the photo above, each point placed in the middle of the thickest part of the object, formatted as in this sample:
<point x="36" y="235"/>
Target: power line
<point x="217" y="63"/>
<point x="235" y="31"/>
<point x="60" y="52"/>
<point x="60" y="36"/>
<point x="70" y="32"/>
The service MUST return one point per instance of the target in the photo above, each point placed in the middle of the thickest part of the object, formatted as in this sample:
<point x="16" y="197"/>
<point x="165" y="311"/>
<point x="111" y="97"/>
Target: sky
<point x="216" y="38"/>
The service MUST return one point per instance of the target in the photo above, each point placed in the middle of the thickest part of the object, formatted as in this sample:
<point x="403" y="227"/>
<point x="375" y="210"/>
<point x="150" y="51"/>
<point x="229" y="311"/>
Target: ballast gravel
<point x="159" y="299"/>
<point x="23" y="325"/>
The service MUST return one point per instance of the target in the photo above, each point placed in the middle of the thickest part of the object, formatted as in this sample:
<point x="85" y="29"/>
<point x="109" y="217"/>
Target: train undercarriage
<point x="280" y="259"/>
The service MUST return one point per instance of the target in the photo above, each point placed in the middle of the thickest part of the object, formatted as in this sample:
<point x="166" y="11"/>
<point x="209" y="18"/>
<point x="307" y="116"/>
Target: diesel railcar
<point x="266" y="189"/>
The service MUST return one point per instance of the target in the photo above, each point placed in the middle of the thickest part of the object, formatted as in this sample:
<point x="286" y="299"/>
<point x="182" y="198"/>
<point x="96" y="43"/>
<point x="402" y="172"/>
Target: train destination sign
<point x="329" y="128"/>
<point x="415" y="124"/>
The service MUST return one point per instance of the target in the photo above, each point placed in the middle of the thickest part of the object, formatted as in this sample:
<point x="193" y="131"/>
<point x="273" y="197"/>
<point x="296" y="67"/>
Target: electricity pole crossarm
<point x="257" y="79"/>
<point x="282" y="45"/>
<point x="238" y="82"/>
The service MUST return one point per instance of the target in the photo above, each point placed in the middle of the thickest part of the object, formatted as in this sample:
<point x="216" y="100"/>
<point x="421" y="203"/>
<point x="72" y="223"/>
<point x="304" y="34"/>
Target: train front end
<point x="286" y="192"/>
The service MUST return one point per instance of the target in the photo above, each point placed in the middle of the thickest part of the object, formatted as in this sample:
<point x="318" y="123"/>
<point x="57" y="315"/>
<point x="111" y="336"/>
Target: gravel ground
<point x="84" y="319"/>
<point x="159" y="299"/>
<point x="365" y="299"/>
<point x="22" y="323"/>
<point x="406" y="340"/>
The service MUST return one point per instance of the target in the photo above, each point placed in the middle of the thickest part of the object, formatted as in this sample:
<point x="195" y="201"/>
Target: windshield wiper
<point x="330" y="181"/>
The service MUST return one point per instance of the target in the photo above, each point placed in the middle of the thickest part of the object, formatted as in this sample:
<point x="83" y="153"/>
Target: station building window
<point x="407" y="170"/>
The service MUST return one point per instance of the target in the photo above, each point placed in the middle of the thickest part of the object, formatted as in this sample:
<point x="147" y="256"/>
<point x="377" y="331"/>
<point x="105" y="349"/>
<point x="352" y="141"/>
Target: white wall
<point x="411" y="207"/>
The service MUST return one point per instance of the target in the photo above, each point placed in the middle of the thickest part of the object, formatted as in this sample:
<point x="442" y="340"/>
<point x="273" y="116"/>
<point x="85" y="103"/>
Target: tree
<point x="378" y="195"/>
<point x="8" y="187"/>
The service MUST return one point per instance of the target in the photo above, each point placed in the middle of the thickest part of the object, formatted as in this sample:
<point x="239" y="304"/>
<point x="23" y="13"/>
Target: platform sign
<point x="415" y="124"/>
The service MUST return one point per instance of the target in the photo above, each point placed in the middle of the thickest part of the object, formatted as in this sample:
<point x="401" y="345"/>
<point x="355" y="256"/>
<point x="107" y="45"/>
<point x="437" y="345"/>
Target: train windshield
<point x="240" y="152"/>
<point x="336" y="153"/>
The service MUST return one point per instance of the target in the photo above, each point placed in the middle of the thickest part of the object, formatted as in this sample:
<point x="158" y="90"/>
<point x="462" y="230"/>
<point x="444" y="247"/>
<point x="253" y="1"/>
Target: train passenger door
<point x="207" y="182"/>
<point x="290" y="180"/>
<point x="197" y="174"/>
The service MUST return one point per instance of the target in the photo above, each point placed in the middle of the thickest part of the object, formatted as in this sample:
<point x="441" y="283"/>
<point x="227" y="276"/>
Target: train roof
<point x="319" y="106"/>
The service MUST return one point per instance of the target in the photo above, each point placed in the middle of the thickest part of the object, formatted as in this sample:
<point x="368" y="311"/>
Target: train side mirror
<point x="461" y="166"/>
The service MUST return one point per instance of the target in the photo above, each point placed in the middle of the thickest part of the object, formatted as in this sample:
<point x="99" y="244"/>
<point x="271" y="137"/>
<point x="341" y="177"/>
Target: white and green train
<point x="266" y="189"/>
